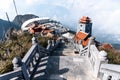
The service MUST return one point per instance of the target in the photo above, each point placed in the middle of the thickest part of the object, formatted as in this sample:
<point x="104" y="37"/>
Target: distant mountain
<point x="117" y="46"/>
<point x="113" y="39"/>
<point x="16" y="23"/>
<point x="20" y="19"/>
<point x="109" y="38"/>
<point x="5" y="25"/>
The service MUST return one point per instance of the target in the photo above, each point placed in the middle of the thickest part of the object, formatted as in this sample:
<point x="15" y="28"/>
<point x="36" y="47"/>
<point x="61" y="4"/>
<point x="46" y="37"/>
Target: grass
<point x="16" y="47"/>
<point x="113" y="55"/>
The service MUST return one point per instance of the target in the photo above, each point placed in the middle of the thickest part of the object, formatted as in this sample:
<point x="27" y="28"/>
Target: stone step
<point x="63" y="68"/>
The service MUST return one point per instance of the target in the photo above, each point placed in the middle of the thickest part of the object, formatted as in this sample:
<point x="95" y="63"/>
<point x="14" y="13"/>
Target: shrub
<point x="113" y="55"/>
<point x="17" y="47"/>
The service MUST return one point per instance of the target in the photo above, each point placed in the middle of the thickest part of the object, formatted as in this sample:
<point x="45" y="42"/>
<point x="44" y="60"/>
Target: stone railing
<point x="52" y="44"/>
<point x="13" y="75"/>
<point x="100" y="67"/>
<point x="96" y="58"/>
<point x="25" y="68"/>
<point x="83" y="51"/>
<point x="110" y="72"/>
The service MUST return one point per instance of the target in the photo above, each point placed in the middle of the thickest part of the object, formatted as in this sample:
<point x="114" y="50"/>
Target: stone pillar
<point x="105" y="77"/>
<point x="102" y="58"/>
<point x="89" y="44"/>
<point x="53" y="43"/>
<point x="16" y="63"/>
<point x="49" y="44"/>
<point x="34" y="40"/>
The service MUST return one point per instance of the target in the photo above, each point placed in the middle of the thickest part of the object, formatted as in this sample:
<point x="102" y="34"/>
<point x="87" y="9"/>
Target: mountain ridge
<point x="16" y="23"/>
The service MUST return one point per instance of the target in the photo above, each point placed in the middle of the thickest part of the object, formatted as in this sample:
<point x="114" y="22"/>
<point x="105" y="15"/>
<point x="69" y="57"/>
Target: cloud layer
<point x="105" y="14"/>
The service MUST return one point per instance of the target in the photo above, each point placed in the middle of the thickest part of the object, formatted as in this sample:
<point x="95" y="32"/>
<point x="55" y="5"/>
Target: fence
<point x="99" y="64"/>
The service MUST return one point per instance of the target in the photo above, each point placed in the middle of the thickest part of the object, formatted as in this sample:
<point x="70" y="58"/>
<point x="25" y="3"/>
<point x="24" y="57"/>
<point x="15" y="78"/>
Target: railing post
<point x="102" y="59"/>
<point x="103" y="56"/>
<point x="105" y="77"/>
<point x="76" y="48"/>
<point x="34" y="40"/>
<point x="24" y="71"/>
<point x="18" y="63"/>
<point x="49" y="45"/>
<point x="89" y="44"/>
<point x="53" y="43"/>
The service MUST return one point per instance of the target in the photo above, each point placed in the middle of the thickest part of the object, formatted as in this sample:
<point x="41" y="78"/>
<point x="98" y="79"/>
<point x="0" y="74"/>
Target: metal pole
<point x="8" y="19"/>
<point x="15" y="7"/>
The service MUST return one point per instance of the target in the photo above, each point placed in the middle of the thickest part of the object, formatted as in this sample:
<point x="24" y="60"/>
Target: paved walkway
<point x="63" y="64"/>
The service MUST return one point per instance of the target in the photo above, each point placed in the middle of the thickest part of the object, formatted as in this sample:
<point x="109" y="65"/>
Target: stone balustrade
<point x="100" y="67"/>
<point x="96" y="58"/>
<point x="25" y="68"/>
<point x="110" y="72"/>
<point x="52" y="44"/>
<point x="98" y="63"/>
<point x="83" y="51"/>
<point x="13" y="75"/>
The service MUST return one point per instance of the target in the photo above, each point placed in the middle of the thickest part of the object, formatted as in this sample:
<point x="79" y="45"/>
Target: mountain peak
<point x="20" y="19"/>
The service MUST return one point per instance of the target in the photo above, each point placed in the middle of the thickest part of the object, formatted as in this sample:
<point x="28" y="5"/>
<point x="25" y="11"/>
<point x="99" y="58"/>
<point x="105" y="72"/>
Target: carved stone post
<point x="53" y="43"/>
<point x="34" y="40"/>
<point x="16" y="63"/>
<point x="76" y="47"/>
<point x="49" y="41"/>
<point x="49" y="44"/>
<point x="105" y="77"/>
<point x="102" y="58"/>
<point x="89" y="44"/>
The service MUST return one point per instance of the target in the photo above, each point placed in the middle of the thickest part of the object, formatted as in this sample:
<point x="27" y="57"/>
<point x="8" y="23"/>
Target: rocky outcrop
<point x="20" y="19"/>
<point x="12" y="33"/>
<point x="4" y="26"/>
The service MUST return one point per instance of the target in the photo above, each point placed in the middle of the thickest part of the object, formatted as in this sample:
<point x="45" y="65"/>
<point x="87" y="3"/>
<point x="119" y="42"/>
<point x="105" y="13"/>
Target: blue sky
<point x="105" y="14"/>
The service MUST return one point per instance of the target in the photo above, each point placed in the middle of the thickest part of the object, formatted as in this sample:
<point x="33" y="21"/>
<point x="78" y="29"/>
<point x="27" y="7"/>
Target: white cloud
<point x="105" y="14"/>
<point x="112" y="22"/>
<point x="4" y="4"/>
<point x="34" y="2"/>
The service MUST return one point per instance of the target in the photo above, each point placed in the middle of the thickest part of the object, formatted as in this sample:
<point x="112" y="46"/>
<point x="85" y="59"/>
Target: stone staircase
<point x="63" y="64"/>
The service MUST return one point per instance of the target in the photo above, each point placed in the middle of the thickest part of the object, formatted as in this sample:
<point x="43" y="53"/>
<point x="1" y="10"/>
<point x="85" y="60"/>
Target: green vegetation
<point x="113" y="55"/>
<point x="17" y="46"/>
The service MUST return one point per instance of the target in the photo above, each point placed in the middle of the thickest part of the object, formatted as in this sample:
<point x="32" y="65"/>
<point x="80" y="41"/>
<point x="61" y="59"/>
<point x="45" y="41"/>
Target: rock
<point x="20" y="19"/>
<point x="5" y="25"/>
